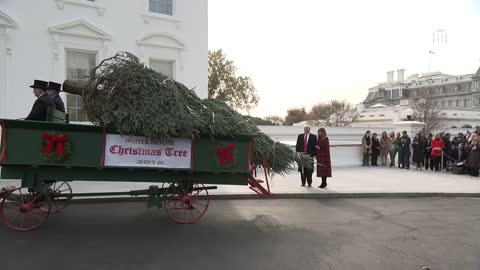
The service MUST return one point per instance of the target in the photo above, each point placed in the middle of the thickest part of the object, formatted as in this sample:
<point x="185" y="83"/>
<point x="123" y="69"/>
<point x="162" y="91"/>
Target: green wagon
<point x="46" y="156"/>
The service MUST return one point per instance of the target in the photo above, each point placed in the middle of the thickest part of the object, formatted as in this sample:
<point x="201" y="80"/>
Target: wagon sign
<point x="137" y="151"/>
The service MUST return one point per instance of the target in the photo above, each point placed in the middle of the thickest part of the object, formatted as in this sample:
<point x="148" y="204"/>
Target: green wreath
<point x="55" y="146"/>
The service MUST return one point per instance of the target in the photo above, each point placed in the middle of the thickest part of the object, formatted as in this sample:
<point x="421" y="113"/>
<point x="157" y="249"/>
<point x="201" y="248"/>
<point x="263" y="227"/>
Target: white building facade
<point x="457" y="98"/>
<point x="54" y="40"/>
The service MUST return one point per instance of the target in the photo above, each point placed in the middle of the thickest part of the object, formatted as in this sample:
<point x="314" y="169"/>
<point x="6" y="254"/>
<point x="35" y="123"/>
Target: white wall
<point x="3" y="80"/>
<point x="38" y="42"/>
<point x="336" y="135"/>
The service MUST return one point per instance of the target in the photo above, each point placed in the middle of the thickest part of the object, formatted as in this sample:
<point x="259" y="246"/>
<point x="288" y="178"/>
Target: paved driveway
<point x="440" y="233"/>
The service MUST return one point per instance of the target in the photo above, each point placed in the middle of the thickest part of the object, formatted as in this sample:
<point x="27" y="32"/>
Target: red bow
<point x="54" y="141"/>
<point x="225" y="153"/>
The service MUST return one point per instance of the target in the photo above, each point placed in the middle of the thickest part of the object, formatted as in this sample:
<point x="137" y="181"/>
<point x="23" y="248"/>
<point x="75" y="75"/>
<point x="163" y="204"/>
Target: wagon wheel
<point x="25" y="209"/>
<point x="60" y="194"/>
<point x="186" y="202"/>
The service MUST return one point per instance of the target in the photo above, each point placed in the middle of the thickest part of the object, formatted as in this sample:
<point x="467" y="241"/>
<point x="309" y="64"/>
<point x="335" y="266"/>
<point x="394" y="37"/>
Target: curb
<point x="296" y="196"/>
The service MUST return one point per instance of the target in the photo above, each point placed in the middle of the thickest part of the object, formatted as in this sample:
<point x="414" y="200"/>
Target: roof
<point x="378" y="105"/>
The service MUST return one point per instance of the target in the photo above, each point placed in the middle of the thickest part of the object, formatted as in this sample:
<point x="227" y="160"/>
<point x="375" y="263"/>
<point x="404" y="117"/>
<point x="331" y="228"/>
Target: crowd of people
<point x="460" y="154"/>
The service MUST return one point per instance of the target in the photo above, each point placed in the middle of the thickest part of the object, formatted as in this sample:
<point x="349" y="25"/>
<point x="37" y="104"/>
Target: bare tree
<point x="295" y="115"/>
<point x="320" y="115"/>
<point x="336" y="113"/>
<point x="343" y="113"/>
<point x="275" y="119"/>
<point x="426" y="111"/>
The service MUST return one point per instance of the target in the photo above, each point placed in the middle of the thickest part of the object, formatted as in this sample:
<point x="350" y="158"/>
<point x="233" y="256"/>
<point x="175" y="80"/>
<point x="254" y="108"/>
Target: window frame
<point x="162" y="14"/>
<point x="74" y="50"/>
<point x="173" y="62"/>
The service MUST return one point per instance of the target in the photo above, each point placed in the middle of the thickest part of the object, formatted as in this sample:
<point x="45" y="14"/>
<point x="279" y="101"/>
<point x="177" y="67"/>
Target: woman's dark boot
<point x="324" y="184"/>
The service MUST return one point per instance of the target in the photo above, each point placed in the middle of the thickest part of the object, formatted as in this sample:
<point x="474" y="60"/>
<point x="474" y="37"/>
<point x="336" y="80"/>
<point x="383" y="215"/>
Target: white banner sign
<point x="136" y="151"/>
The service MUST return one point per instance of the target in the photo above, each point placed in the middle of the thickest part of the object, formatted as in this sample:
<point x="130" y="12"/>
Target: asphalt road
<point x="438" y="233"/>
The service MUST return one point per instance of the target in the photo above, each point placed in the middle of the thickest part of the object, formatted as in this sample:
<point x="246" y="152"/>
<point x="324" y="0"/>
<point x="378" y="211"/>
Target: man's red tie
<point x="305" y="142"/>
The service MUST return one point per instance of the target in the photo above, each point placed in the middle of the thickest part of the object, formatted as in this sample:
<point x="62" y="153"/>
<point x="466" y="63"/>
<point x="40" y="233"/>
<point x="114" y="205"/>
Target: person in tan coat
<point x="367" y="148"/>
<point x="384" y="148"/>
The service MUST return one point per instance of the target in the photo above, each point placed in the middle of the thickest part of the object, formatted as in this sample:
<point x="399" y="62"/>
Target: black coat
<point x="473" y="159"/>
<point x="448" y="146"/>
<point x="311" y="150"/>
<point x="58" y="103"/>
<point x="40" y="107"/>
<point x="375" y="146"/>
<point x="312" y="142"/>
<point x="428" y="148"/>
<point x="459" y="157"/>
<point x="418" y="150"/>
<point x="404" y="146"/>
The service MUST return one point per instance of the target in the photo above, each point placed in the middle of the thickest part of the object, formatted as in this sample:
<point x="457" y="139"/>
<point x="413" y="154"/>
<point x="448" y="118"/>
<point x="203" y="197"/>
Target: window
<point x="389" y="93"/>
<point x="444" y="103"/>
<point x="466" y="103"/>
<point x="458" y="102"/>
<point x="164" y="67"/>
<point x="79" y="65"/>
<point x="161" y="6"/>
<point x="477" y="101"/>
<point x="396" y="94"/>
<point x="450" y="103"/>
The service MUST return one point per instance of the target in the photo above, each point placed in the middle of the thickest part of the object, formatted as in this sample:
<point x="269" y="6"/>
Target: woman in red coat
<point x="437" y="147"/>
<point x="324" y="167"/>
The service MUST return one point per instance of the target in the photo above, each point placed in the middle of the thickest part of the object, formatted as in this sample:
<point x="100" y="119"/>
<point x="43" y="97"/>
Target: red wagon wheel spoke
<point x="197" y="203"/>
<point x="15" y="217"/>
<point x="38" y="195"/>
<point x="23" y="221"/>
<point x="37" y="216"/>
<point x="14" y="199"/>
<point x="60" y="197"/>
<point x="25" y="214"/>
<point x="21" y="196"/>
<point x="193" y="199"/>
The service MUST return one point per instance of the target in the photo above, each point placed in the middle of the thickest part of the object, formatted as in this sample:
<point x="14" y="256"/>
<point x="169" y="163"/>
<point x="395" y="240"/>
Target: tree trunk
<point x="75" y="88"/>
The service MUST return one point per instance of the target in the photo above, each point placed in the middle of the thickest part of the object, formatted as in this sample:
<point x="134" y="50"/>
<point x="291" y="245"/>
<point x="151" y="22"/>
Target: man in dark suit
<point x="40" y="107"/>
<point x="54" y="91"/>
<point x="306" y="143"/>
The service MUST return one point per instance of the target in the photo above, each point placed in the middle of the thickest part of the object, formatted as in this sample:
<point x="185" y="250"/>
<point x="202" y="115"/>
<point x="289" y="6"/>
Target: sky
<point x="303" y="52"/>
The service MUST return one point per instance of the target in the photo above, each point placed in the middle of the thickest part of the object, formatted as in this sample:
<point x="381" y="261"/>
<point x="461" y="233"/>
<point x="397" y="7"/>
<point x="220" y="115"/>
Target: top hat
<point x="39" y="84"/>
<point x="54" y="86"/>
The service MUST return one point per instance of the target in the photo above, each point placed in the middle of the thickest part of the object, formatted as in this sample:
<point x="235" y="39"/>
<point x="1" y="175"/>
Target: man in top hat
<point x="40" y="107"/>
<point x="53" y="91"/>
